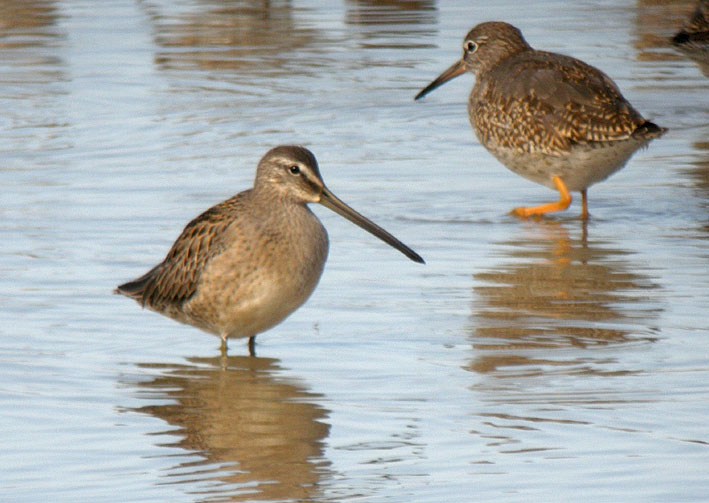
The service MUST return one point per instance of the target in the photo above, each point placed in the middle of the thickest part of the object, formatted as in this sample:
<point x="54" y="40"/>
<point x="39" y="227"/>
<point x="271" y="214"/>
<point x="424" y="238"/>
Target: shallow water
<point x="527" y="361"/>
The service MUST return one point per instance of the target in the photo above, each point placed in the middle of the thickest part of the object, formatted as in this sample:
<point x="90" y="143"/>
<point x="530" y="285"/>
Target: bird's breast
<point x="267" y="272"/>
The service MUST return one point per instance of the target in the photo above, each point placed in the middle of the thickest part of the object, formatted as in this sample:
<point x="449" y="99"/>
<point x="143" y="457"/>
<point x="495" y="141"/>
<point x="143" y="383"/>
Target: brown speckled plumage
<point x="546" y="115"/>
<point x="245" y="264"/>
<point x="175" y="279"/>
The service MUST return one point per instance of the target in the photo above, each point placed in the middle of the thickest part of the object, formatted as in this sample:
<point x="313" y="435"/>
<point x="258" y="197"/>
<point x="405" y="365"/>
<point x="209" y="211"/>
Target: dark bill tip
<point x="458" y="68"/>
<point x="329" y="200"/>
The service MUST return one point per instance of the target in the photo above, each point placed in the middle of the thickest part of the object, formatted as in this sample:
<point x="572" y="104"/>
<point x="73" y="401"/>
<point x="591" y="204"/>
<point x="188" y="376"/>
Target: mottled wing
<point x="548" y="102"/>
<point x="175" y="279"/>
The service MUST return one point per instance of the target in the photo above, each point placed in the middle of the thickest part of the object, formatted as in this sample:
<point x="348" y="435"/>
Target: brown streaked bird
<point x="244" y="265"/>
<point x="548" y="117"/>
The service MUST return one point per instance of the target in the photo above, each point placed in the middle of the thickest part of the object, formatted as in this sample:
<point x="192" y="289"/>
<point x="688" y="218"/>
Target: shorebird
<point x="547" y="117"/>
<point x="244" y="265"/>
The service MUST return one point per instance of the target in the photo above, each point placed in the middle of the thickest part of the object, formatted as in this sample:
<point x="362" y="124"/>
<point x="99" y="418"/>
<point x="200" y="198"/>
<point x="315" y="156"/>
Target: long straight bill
<point x="329" y="200"/>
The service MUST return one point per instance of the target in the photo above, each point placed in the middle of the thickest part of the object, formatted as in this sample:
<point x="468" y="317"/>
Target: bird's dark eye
<point x="471" y="46"/>
<point x="294" y="170"/>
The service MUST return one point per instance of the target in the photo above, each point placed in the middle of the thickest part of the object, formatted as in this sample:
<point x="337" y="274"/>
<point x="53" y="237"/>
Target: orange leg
<point x="563" y="202"/>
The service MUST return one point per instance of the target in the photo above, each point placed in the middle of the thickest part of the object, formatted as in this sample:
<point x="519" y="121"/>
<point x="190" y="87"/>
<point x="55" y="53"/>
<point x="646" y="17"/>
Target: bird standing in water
<point x="548" y="117"/>
<point x="244" y="265"/>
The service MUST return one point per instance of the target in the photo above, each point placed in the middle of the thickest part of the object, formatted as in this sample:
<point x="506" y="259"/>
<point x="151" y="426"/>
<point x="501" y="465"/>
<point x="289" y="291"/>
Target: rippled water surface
<point x="527" y="361"/>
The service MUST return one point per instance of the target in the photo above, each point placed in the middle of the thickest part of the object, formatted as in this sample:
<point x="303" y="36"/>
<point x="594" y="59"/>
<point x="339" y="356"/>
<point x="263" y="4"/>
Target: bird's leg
<point x="252" y="345"/>
<point x="223" y="346"/>
<point x="584" y="205"/>
<point x="563" y="202"/>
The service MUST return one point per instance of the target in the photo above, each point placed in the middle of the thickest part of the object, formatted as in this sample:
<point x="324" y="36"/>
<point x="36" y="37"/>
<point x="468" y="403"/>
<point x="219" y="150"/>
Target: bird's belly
<point x="243" y="296"/>
<point x="264" y="307"/>
<point x="579" y="167"/>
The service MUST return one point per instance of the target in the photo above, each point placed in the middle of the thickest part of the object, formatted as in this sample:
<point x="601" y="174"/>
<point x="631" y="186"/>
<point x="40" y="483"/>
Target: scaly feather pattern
<point x="174" y="281"/>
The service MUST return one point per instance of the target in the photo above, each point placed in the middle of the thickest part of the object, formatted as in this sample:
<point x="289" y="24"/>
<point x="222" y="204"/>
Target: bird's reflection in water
<point x="693" y="39"/>
<point x="392" y="23"/>
<point x="554" y="291"/>
<point x="653" y="24"/>
<point x="260" y="435"/>
<point x="227" y="35"/>
<point x="698" y="175"/>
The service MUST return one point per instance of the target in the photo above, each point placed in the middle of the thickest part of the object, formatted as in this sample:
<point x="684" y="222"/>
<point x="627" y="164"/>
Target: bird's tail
<point x="649" y="130"/>
<point x="135" y="289"/>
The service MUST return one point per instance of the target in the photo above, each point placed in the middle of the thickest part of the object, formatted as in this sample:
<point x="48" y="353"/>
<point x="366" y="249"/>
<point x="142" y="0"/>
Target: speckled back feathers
<point x="174" y="281"/>
<point x="541" y="102"/>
